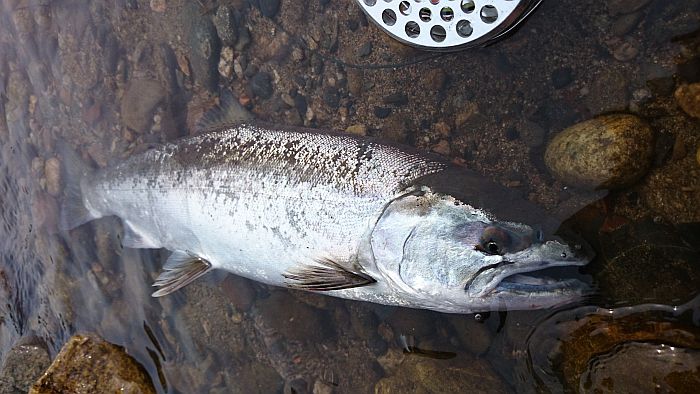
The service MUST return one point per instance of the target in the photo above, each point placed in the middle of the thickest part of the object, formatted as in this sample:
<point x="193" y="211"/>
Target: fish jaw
<point x="507" y="276"/>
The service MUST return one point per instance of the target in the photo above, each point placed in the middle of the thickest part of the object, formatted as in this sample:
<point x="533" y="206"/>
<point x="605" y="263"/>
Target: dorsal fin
<point x="229" y="112"/>
<point x="326" y="275"/>
<point x="181" y="269"/>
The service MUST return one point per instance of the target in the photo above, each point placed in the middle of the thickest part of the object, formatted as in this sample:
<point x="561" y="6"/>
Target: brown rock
<point x="158" y="5"/>
<point x="442" y="147"/>
<point x="88" y="364"/>
<point x="141" y="98"/>
<point x="357" y="129"/>
<point x="355" y="81"/>
<point x="610" y="152"/>
<point x="688" y="97"/>
<point x="597" y="345"/>
<point x="422" y="375"/>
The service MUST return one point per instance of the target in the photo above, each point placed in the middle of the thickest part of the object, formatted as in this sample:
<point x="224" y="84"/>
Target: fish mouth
<point x="539" y="282"/>
<point x="534" y="272"/>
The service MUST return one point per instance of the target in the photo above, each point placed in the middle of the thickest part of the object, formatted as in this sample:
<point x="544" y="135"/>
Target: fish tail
<point x="73" y="209"/>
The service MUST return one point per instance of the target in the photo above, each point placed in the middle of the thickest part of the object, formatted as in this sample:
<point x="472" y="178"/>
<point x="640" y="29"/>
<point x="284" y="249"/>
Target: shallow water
<point x="69" y="74"/>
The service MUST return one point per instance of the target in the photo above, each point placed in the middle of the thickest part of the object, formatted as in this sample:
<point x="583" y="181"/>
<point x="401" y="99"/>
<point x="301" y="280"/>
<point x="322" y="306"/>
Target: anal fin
<point x="181" y="269"/>
<point x="326" y="275"/>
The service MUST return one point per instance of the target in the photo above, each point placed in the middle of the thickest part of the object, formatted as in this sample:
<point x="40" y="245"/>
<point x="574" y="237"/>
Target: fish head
<point x="446" y="255"/>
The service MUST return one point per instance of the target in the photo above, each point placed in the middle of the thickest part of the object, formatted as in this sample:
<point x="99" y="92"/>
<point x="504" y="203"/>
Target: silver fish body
<point x="346" y="216"/>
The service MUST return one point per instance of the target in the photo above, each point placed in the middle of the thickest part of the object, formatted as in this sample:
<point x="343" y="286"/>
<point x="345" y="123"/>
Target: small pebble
<point x="626" y="50"/>
<point x="442" y="147"/>
<point x="365" y="49"/>
<point x="357" y="129"/>
<point x="688" y="98"/>
<point x="226" y="62"/>
<point x="225" y="23"/>
<point x="158" y="5"/>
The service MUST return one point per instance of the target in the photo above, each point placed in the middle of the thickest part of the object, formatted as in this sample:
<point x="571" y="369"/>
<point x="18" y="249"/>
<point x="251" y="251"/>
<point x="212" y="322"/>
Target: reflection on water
<point x="109" y="78"/>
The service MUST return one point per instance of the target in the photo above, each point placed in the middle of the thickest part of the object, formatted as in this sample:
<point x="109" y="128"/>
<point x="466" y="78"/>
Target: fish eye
<point x="494" y="240"/>
<point x="492" y="247"/>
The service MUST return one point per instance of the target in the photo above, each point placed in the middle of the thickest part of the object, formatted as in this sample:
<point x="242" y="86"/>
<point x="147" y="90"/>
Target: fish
<point x="332" y="213"/>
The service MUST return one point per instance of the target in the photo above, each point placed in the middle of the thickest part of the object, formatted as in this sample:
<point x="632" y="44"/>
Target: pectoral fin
<point x="326" y="275"/>
<point x="180" y="270"/>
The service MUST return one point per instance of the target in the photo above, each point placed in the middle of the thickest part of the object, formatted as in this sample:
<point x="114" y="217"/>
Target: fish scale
<point x="217" y="181"/>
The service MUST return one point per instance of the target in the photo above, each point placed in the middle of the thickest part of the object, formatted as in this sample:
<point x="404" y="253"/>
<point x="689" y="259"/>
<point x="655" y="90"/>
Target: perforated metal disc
<point x="447" y="24"/>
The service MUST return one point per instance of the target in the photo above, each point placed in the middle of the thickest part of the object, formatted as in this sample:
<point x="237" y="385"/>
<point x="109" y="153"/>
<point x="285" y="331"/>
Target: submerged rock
<point x="205" y="47"/>
<point x="643" y="367"/>
<point x="424" y="375"/>
<point x="608" y="152"/>
<point x="23" y="365"/>
<point x="688" y="97"/>
<point x="88" y="364"/>
<point x="140" y="100"/>
<point x="602" y="354"/>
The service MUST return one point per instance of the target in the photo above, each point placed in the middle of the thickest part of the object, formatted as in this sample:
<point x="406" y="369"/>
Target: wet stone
<point x="204" y="50"/>
<point x="610" y="152"/>
<point x="261" y="85"/>
<point x="226" y="62"/>
<point x="365" y="49"/>
<point x="158" y="5"/>
<point x="141" y="98"/>
<point x="23" y="365"/>
<point x="625" y="50"/>
<point x="88" y="364"/>
<point x="225" y="23"/>
<point x="357" y="129"/>
<point x="634" y="352"/>
<point x="643" y="367"/>
<point x="422" y="375"/>
<point x="688" y="97"/>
